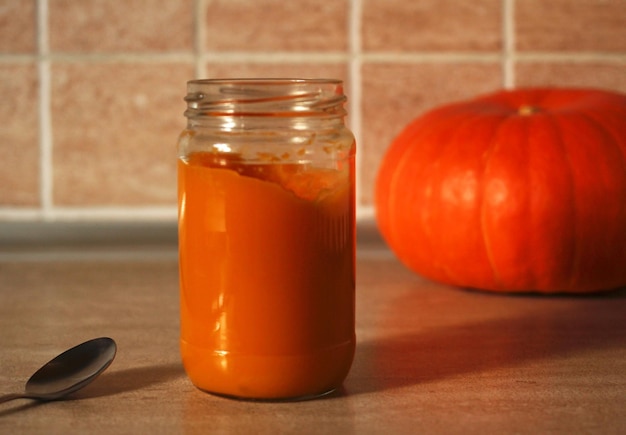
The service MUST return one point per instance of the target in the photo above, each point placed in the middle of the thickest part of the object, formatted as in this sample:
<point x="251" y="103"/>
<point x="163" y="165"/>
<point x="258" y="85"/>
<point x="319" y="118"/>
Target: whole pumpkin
<point x="517" y="191"/>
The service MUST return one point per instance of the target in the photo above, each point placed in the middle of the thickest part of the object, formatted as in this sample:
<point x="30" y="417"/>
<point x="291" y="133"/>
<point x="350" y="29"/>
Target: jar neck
<point x="236" y="104"/>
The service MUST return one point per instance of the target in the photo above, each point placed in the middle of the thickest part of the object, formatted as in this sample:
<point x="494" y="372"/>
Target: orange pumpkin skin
<point x="518" y="191"/>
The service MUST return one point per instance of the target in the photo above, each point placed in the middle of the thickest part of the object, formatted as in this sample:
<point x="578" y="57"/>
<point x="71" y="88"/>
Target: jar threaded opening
<point x="265" y="97"/>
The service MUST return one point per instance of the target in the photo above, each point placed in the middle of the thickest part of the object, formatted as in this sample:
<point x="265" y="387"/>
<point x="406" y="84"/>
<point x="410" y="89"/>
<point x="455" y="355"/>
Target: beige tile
<point x="567" y="25"/>
<point x="17" y="26"/>
<point x="584" y="74"/>
<point x="394" y="94"/>
<point x="277" y="70"/>
<point x="115" y="127"/>
<point x="116" y="26"/>
<point x="276" y="25"/>
<point x="19" y="148"/>
<point x="432" y="25"/>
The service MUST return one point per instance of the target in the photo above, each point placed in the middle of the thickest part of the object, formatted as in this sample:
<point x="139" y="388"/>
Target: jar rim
<point x="249" y="97"/>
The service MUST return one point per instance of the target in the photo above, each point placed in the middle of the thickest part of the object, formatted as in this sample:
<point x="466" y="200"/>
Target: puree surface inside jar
<point x="267" y="276"/>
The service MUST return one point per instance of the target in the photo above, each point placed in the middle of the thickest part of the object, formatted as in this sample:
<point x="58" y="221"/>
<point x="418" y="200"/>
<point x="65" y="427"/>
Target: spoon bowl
<point x="68" y="372"/>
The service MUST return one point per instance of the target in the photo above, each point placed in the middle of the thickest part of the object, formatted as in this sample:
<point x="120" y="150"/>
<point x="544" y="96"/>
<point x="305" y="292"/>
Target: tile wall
<point x="92" y="89"/>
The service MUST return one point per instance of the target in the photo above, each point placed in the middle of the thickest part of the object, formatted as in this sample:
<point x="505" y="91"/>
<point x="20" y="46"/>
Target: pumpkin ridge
<point x="445" y="116"/>
<point x="415" y="131"/>
<point x="606" y="129"/>
<point x="490" y="152"/>
<point x="526" y="122"/>
<point x="389" y="232"/>
<point x="621" y="148"/>
<point x="470" y="121"/>
<point x="553" y="120"/>
<point x="576" y="252"/>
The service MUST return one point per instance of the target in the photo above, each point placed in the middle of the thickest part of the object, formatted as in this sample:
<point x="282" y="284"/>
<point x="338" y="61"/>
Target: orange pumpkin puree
<point x="267" y="276"/>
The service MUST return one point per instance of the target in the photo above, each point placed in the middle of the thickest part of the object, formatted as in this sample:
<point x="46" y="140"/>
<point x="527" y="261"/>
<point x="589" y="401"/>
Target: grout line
<point x="356" y="88"/>
<point x="354" y="27"/>
<point x="508" y="37"/>
<point x="199" y="37"/>
<point x="424" y="56"/>
<point x="150" y="57"/>
<point x="19" y="214"/>
<point x="120" y="213"/>
<point x="45" y="124"/>
<point x="322" y="57"/>
<point x="556" y="57"/>
<point x="18" y="57"/>
<point x="86" y="213"/>
<point x="277" y="56"/>
<point x="45" y="138"/>
<point x="83" y="255"/>
<point x="204" y="57"/>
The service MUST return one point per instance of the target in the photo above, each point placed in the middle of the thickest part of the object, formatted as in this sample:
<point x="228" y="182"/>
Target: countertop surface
<point x="430" y="358"/>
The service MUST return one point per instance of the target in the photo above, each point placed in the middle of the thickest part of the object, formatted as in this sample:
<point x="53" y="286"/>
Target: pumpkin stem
<point x="528" y="109"/>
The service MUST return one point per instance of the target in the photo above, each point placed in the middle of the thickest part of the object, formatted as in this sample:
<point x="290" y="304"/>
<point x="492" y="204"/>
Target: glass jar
<point x="266" y="237"/>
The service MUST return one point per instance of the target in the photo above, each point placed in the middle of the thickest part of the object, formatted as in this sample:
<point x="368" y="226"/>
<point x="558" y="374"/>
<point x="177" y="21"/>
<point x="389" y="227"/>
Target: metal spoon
<point x="69" y="371"/>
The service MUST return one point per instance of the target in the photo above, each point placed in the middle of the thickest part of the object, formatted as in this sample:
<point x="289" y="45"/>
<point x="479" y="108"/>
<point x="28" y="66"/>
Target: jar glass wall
<point x="266" y="237"/>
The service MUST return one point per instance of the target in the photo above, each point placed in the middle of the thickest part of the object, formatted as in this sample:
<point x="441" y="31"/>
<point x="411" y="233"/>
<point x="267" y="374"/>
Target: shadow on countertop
<point x="543" y="328"/>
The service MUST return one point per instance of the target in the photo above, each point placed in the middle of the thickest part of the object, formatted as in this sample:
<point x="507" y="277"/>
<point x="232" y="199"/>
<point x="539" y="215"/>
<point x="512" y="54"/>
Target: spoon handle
<point x="14" y="396"/>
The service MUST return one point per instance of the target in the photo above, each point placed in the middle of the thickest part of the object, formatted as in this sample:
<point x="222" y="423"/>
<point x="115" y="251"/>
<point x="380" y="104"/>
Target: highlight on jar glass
<point x="266" y="206"/>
